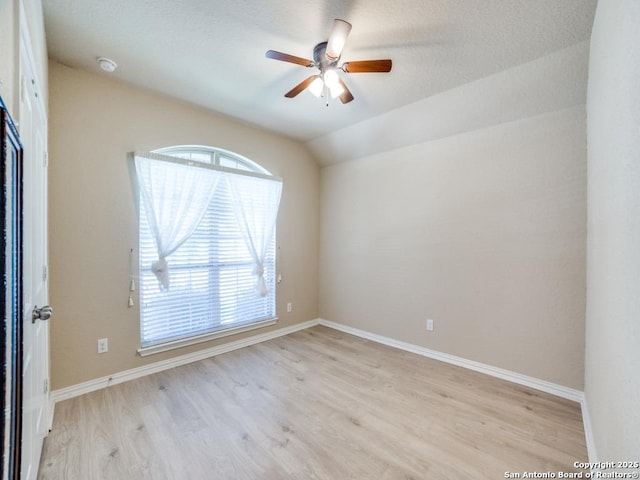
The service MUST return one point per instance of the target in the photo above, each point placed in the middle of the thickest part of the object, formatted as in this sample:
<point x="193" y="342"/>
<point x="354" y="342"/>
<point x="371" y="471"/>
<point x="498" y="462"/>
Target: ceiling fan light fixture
<point x="328" y="82"/>
<point x="337" y="39"/>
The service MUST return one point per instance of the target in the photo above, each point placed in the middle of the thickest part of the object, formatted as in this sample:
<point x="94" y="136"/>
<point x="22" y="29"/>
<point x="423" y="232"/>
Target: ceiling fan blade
<point x="346" y="96"/>
<point x="300" y="87"/>
<point x="285" y="57"/>
<point x="337" y="39"/>
<point x="367" y="66"/>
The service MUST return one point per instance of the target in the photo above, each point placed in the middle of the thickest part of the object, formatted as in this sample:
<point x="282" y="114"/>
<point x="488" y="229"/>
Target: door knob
<point x="42" y="313"/>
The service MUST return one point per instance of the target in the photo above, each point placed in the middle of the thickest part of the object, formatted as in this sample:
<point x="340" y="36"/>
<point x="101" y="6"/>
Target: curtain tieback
<point x="261" y="284"/>
<point x="258" y="270"/>
<point x="160" y="268"/>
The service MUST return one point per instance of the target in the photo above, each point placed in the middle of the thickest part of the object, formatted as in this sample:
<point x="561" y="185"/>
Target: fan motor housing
<point x="320" y="59"/>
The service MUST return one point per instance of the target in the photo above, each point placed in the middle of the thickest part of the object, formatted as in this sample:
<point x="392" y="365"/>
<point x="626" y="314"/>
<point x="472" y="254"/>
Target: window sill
<point x="224" y="332"/>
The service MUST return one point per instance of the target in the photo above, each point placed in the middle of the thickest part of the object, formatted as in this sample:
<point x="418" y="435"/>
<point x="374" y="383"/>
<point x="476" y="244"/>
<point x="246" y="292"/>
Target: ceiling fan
<point x="326" y="56"/>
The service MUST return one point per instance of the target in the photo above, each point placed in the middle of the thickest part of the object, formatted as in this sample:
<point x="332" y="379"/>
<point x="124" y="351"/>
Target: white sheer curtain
<point x="255" y="204"/>
<point x="175" y="194"/>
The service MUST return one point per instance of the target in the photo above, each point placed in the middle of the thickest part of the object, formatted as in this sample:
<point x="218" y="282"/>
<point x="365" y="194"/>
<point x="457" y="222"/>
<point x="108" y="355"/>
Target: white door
<point x="33" y="134"/>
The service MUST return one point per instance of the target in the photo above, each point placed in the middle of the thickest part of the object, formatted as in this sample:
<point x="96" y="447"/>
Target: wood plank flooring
<point x="316" y="404"/>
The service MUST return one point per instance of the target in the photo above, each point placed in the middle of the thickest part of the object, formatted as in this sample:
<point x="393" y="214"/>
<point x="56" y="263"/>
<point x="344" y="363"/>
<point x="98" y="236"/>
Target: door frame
<point x="33" y="388"/>
<point x="12" y="306"/>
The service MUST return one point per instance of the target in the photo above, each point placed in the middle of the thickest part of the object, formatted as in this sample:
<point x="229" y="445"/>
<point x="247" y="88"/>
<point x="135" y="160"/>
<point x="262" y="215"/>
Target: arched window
<point x="206" y="245"/>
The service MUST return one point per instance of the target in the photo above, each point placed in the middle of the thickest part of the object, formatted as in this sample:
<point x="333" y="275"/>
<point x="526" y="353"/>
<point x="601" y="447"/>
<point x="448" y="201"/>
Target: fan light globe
<point x="331" y="78"/>
<point x="336" y="90"/>
<point x="332" y="81"/>
<point x="316" y="86"/>
<point x="337" y="39"/>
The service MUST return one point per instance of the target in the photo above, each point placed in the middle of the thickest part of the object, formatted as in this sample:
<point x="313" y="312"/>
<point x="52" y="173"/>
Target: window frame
<point x="217" y="158"/>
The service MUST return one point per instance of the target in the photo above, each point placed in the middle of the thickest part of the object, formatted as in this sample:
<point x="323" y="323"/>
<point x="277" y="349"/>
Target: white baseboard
<point x="588" y="432"/>
<point x="552" y="388"/>
<point x="542" y="385"/>
<point x="120" y="377"/>
<point x="548" y="387"/>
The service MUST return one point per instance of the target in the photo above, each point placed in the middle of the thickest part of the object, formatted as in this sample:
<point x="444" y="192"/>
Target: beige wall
<point x="94" y="122"/>
<point x="484" y="232"/>
<point x="612" y="376"/>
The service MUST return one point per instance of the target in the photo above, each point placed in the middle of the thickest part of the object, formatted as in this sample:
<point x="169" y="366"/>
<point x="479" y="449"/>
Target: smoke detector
<point x="107" y="64"/>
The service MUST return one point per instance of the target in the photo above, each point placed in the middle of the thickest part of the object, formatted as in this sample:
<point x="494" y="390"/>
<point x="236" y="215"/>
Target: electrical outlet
<point x="429" y="325"/>
<point x="103" y="345"/>
<point x="289" y="307"/>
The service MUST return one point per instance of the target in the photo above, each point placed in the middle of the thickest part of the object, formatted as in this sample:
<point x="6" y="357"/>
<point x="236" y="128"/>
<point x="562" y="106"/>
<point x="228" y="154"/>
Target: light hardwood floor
<point x="316" y="404"/>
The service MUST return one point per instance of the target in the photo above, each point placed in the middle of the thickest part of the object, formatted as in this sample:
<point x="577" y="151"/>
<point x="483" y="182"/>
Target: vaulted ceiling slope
<point x="212" y="52"/>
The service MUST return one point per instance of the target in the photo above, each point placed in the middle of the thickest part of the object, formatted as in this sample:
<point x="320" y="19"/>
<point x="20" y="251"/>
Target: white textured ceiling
<point x="211" y="52"/>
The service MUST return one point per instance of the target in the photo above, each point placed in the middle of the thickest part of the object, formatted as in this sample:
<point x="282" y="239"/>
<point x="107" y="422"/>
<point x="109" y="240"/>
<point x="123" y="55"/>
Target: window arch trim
<point x="215" y="157"/>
